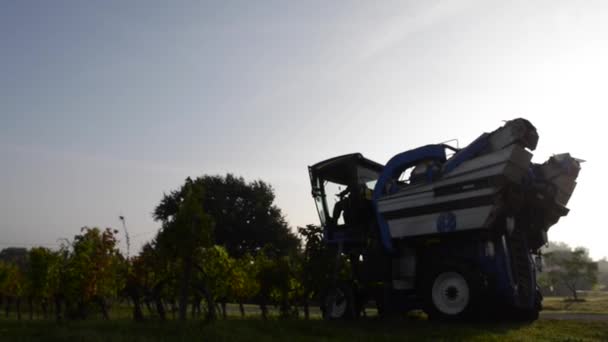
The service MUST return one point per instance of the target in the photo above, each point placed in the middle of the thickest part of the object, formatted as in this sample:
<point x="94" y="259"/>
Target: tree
<point x="245" y="216"/>
<point x="15" y="264"/>
<point x="265" y="271"/>
<point x="145" y="272"/>
<point x="602" y="280"/>
<point x="11" y="285"/>
<point x="57" y="278"/>
<point x="40" y="262"/>
<point x="316" y="265"/>
<point x="571" y="268"/>
<point x="185" y="231"/>
<point x="277" y="280"/>
<point x="244" y="285"/>
<point x="91" y="269"/>
<point x="217" y="273"/>
<point x="152" y="273"/>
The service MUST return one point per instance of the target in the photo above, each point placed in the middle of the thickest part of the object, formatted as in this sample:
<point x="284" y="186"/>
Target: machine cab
<point x="342" y="188"/>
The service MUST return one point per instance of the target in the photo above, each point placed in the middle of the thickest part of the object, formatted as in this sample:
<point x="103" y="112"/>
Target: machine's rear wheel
<point x="450" y="293"/>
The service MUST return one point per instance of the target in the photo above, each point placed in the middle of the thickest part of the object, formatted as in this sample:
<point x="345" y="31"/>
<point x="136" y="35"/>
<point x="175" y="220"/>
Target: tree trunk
<point x="306" y="310"/>
<point x="173" y="308"/>
<point x="104" y="308"/>
<point x="18" y="308"/>
<point x="57" y="308"/>
<point x="30" y="304"/>
<point x="160" y="309"/>
<point x="149" y="306"/>
<point x="193" y="305"/>
<point x="7" y="306"/>
<point x="211" y="313"/>
<point x="134" y="294"/>
<point x="156" y="296"/>
<point x="50" y="307"/>
<point x="242" y="308"/>
<point x="184" y="286"/>
<point x="264" y="310"/>
<point x="284" y="307"/>
<point x="572" y="288"/>
<point x="198" y="306"/>
<point x="44" y="306"/>
<point x="82" y="310"/>
<point x="224" y="314"/>
<point x="138" y="314"/>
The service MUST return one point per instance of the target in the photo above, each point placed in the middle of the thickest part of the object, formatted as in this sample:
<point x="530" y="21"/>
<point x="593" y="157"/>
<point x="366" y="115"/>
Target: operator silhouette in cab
<point x="343" y="206"/>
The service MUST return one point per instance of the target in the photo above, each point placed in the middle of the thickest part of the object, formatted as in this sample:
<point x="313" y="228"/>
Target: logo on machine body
<point x="446" y="222"/>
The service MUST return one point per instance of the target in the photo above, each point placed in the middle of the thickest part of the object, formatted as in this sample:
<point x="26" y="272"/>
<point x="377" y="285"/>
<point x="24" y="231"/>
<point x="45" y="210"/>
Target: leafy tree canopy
<point x="246" y="218"/>
<point x="571" y="268"/>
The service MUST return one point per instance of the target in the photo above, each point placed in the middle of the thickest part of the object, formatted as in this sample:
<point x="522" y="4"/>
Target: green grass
<point x="597" y="304"/>
<point x="121" y="328"/>
<point x="299" y="330"/>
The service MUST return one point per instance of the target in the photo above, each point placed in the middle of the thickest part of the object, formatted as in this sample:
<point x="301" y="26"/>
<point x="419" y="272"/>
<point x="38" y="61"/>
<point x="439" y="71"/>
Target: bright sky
<point x="105" y="105"/>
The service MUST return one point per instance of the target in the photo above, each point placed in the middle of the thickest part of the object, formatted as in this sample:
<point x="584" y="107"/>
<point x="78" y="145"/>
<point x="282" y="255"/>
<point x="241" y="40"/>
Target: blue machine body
<point x="498" y="265"/>
<point x="393" y="169"/>
<point x="485" y="209"/>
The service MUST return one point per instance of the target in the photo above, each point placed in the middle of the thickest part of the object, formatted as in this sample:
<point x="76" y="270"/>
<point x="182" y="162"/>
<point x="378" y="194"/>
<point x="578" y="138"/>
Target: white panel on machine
<point x="464" y="219"/>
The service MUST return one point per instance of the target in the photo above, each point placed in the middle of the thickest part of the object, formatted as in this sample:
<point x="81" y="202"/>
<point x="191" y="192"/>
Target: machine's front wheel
<point x="450" y="293"/>
<point x="338" y="303"/>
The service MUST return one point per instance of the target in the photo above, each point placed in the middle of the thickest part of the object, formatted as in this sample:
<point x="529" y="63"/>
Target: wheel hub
<point x="451" y="293"/>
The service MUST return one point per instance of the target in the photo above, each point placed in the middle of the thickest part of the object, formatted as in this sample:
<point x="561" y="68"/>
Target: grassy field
<point x="299" y="330"/>
<point x="121" y="328"/>
<point x="595" y="303"/>
<point x="591" y="305"/>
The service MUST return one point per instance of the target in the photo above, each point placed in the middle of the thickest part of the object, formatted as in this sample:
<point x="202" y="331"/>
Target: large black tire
<point x="451" y="293"/>
<point x="339" y="303"/>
